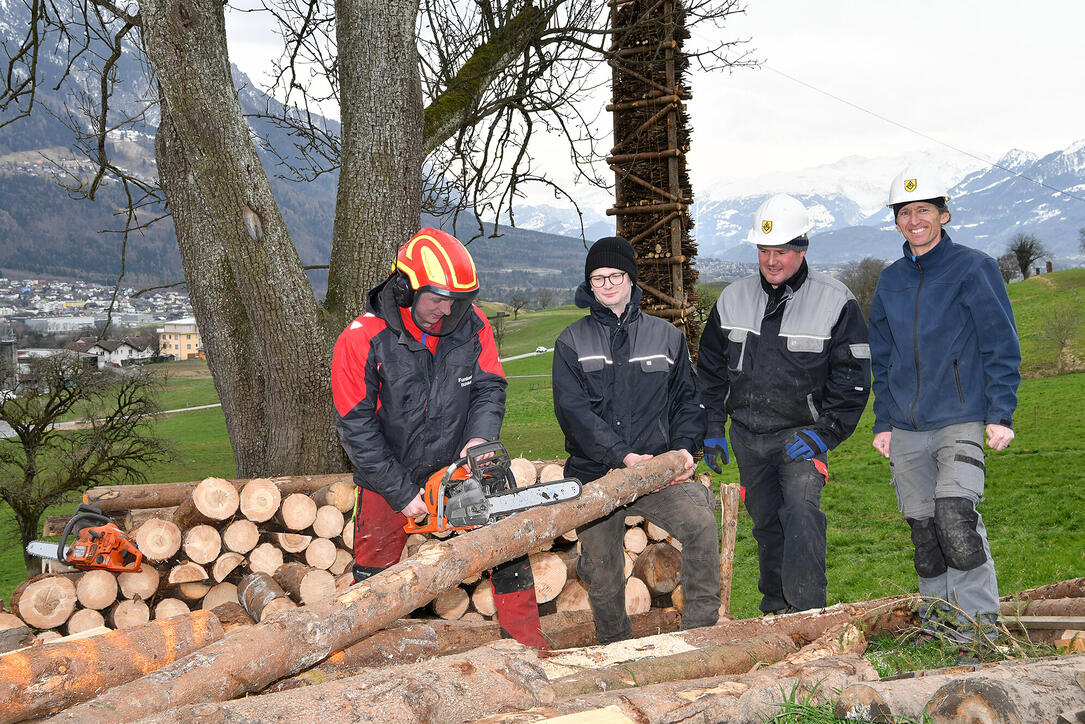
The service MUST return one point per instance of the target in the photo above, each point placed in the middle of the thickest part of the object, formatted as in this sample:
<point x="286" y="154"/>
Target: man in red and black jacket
<point x="416" y="381"/>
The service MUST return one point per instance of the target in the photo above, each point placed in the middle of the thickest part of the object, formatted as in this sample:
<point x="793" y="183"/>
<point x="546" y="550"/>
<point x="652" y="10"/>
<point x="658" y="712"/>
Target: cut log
<point x="225" y="565"/>
<point x="202" y="544"/>
<point x="654" y="532"/>
<point x="300" y="638"/>
<point x="258" y="592"/>
<point x="129" y="613"/>
<point x="548" y="570"/>
<point x="1070" y="640"/>
<point x="141" y="584"/>
<point x="292" y="542"/>
<point x="108" y="498"/>
<point x="265" y="558"/>
<point x="678" y="599"/>
<point x="84" y="619"/>
<point x="637" y="597"/>
<point x="305" y="584"/>
<point x="569" y="536"/>
<point x="30" y="688"/>
<point x="632" y="520"/>
<point x="1072" y="588"/>
<point x="14" y="633"/>
<point x="573" y="597"/>
<point x="414" y="543"/>
<point x="344" y="559"/>
<point x="158" y="540"/>
<point x="96" y="589"/>
<point x="636" y="540"/>
<point x="169" y="607"/>
<point x="523" y="470"/>
<point x="348" y="533"/>
<point x="212" y="501"/>
<point x="341" y="494"/>
<point x="232" y="615"/>
<point x="46" y="637"/>
<point x="1044" y="607"/>
<point x="186" y="572"/>
<point x="482" y="598"/>
<point x="44" y="601"/>
<point x="630" y="561"/>
<point x="133" y="519"/>
<point x="451" y="603"/>
<point x="219" y="594"/>
<point x="259" y="500"/>
<point x="297" y="512"/>
<point x="194" y="590"/>
<point x="729" y="499"/>
<point x="454" y="688"/>
<point x="551" y="472"/>
<point x="320" y="553"/>
<point x="659" y="566"/>
<point x="240" y="536"/>
<point x="329" y="522"/>
<point x="732" y="658"/>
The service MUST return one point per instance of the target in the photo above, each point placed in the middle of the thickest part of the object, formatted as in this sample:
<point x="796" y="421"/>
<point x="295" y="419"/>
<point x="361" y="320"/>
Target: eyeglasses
<point x="615" y="279"/>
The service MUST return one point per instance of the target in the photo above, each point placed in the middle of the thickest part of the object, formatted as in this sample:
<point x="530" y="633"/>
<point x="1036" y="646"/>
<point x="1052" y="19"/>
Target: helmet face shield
<point x="439" y="313"/>
<point x="439" y="281"/>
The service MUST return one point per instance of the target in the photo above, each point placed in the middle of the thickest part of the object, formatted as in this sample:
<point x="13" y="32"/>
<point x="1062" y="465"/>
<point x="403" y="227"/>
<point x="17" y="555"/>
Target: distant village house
<point x="181" y="338"/>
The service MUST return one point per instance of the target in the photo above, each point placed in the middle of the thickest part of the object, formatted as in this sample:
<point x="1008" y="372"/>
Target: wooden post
<point x="728" y="531"/>
<point x="292" y="641"/>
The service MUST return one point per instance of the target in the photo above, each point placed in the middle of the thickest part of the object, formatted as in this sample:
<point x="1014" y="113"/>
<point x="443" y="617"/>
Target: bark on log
<point x="97" y="589"/>
<point x="265" y="558"/>
<point x="329" y="522"/>
<point x="260" y="499"/>
<point x="500" y="676"/>
<point x="240" y="536"/>
<point x="733" y="658"/>
<point x="141" y="584"/>
<point x="1044" y="607"/>
<point x="219" y="594"/>
<point x="257" y="592"/>
<point x="30" y="687"/>
<point x="729" y="499"/>
<point x="292" y="542"/>
<point x="341" y="494"/>
<point x="129" y="613"/>
<point x="1071" y="588"/>
<point x="44" y="601"/>
<point x="659" y="567"/>
<point x="212" y="501"/>
<point x="84" y="619"/>
<point x="297" y="512"/>
<point x="232" y="615"/>
<point x="110" y="498"/>
<point x="225" y="565"/>
<point x="202" y="544"/>
<point x="305" y="584"/>
<point x="170" y="607"/>
<point x="296" y="640"/>
<point x="548" y="570"/>
<point x="158" y="540"/>
<point x="14" y="633"/>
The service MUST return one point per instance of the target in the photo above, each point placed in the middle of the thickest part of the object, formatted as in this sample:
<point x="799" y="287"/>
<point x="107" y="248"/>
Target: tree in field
<point x="517" y="300"/>
<point x="545" y="297"/>
<point x="1007" y="265"/>
<point x="497" y="322"/>
<point x="707" y="294"/>
<point x="440" y="101"/>
<point x="861" y="277"/>
<point x="1027" y="249"/>
<point x="1059" y="326"/>
<point x="42" y="465"/>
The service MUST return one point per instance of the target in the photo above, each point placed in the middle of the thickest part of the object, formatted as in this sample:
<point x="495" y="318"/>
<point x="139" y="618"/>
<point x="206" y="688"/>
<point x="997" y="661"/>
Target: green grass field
<point x="1034" y="512"/>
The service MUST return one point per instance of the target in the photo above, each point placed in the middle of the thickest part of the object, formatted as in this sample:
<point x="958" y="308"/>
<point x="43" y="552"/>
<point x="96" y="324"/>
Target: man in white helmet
<point x="785" y="356"/>
<point x="945" y="355"/>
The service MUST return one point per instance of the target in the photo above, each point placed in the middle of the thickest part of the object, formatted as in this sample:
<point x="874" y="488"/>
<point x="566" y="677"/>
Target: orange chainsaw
<point x="479" y="488"/>
<point x="98" y="544"/>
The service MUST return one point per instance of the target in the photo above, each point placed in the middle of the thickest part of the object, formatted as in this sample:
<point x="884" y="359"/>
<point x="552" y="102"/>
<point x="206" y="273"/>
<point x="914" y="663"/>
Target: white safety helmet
<point x="916" y="183"/>
<point x="778" y="221"/>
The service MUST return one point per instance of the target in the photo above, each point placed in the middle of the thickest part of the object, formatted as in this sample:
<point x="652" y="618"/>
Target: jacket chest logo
<point x="465" y="381"/>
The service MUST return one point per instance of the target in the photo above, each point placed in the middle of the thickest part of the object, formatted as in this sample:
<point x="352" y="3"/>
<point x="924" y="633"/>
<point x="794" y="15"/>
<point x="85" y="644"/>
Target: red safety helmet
<point x="436" y="262"/>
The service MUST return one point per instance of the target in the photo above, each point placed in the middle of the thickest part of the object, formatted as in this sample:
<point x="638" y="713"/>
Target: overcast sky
<point x="982" y="76"/>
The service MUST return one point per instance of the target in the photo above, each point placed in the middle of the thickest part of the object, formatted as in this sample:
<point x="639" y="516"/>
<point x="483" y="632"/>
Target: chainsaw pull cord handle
<point x="83" y="513"/>
<point x="440" y="497"/>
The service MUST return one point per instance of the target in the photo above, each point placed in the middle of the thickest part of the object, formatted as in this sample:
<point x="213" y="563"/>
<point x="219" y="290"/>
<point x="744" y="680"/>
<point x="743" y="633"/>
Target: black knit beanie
<point x="614" y="252"/>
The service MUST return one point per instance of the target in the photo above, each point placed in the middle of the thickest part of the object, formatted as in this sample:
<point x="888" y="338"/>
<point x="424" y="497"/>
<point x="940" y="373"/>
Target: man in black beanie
<point x="624" y="392"/>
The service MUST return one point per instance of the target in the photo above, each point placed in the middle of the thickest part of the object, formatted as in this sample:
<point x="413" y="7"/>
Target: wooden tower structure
<point x="651" y="134"/>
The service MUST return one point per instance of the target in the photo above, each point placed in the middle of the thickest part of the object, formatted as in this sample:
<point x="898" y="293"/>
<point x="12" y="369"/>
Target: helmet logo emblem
<point x="766" y="226"/>
<point x="909" y="185"/>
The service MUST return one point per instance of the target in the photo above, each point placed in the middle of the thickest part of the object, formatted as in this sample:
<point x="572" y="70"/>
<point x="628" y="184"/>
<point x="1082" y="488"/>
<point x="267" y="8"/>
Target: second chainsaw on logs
<point x="98" y="544"/>
<point x="479" y="488"/>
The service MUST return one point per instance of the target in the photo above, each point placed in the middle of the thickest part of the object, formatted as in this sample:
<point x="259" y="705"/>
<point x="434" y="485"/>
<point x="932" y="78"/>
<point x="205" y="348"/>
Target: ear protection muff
<point x="402" y="293"/>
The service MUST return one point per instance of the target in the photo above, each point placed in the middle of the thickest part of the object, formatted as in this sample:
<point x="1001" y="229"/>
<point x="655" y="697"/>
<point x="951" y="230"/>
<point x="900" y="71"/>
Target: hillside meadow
<point x="1034" y="511"/>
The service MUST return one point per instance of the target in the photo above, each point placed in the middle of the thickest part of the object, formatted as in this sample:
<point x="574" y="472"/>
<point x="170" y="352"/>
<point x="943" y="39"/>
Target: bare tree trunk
<point x="237" y="253"/>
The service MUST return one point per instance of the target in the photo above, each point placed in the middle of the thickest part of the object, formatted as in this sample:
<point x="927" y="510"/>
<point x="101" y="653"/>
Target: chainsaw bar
<point x="519" y="499"/>
<point x="45" y="549"/>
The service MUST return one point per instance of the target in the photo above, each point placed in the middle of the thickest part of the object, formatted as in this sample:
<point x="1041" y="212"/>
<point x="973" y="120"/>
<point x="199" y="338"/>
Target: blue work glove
<point x="714" y="449"/>
<point x="806" y="445"/>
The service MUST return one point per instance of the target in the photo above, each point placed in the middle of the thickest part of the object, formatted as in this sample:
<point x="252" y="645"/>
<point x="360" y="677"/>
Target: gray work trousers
<point x="946" y="463"/>
<point x="783" y="498"/>
<point x="686" y="511"/>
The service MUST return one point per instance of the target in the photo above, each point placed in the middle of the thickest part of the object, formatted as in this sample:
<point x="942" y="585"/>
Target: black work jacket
<point x="794" y="356"/>
<point x="621" y="386"/>
<point x="402" y="411"/>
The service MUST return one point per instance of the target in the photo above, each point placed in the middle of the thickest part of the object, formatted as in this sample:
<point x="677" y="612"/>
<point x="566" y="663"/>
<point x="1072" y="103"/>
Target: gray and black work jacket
<point x="623" y="386"/>
<point x="793" y="356"/>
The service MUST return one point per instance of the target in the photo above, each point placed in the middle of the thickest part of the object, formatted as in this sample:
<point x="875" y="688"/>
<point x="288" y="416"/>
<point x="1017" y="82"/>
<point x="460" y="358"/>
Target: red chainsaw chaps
<point x="378" y="531"/>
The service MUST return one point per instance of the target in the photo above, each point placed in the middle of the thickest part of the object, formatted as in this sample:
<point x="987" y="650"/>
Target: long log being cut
<point x="293" y="641"/>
